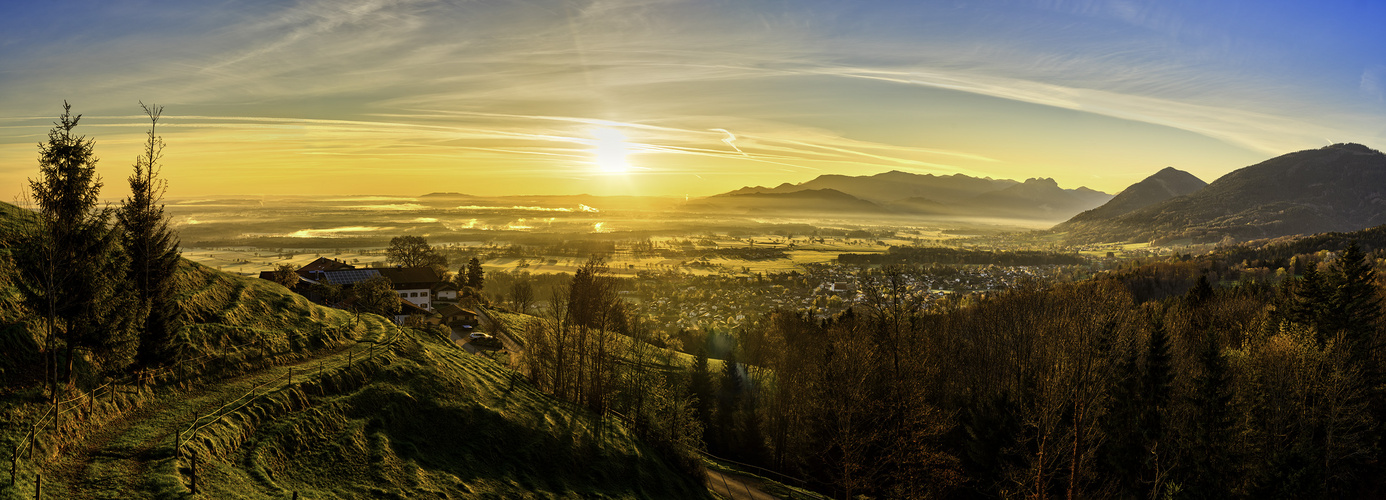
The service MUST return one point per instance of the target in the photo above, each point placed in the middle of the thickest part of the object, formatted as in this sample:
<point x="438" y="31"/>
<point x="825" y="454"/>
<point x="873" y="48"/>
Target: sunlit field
<point x="249" y="235"/>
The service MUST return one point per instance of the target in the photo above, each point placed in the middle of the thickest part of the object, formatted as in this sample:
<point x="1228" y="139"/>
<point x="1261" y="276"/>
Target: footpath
<point x="134" y="454"/>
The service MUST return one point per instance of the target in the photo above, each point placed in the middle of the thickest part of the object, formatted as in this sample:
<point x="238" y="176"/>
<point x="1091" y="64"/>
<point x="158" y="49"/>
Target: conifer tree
<point x="728" y="401"/>
<point x="1209" y="460"/>
<point x="476" y="277"/>
<point x="1311" y="300"/>
<point x="152" y="247"/>
<point x="1356" y="310"/>
<point x="700" y="386"/>
<point x="75" y="241"/>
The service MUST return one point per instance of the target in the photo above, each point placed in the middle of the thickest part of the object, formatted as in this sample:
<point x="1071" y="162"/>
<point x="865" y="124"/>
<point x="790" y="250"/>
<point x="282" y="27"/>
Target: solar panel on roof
<point x="350" y="276"/>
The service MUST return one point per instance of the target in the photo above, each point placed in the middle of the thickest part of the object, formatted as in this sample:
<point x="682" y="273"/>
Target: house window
<point x="413" y="294"/>
<point x="403" y="294"/>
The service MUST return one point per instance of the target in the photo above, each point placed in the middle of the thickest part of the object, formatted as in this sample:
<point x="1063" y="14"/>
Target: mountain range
<point x="1341" y="187"/>
<point x="903" y="193"/>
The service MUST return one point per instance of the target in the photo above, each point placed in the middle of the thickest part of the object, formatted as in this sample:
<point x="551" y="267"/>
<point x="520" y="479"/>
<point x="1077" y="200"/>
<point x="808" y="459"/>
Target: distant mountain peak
<point x="1340" y="187"/>
<point x="1168" y="183"/>
<point x="950" y="194"/>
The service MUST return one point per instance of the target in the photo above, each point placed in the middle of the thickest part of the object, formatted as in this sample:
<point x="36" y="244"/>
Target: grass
<point x="422" y="419"/>
<point x="434" y="421"/>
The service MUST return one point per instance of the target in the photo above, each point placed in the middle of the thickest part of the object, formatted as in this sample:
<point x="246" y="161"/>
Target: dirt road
<point x="735" y="487"/>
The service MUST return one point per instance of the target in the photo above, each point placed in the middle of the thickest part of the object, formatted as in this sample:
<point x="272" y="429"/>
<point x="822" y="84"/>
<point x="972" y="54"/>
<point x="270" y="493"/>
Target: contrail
<point x="730" y="139"/>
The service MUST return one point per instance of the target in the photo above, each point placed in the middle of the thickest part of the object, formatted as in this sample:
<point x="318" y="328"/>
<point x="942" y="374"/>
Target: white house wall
<point x="417" y="296"/>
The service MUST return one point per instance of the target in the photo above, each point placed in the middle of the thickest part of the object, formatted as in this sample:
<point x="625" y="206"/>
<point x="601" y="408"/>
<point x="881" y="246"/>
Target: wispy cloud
<point x="723" y="89"/>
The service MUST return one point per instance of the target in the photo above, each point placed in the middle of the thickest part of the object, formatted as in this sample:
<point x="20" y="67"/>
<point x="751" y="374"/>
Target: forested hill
<point x="1163" y="185"/>
<point x="1335" y="188"/>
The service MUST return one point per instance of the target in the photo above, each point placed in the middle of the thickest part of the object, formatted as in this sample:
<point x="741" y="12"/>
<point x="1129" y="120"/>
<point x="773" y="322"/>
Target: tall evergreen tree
<point x="476" y="277"/>
<point x="152" y="247"/>
<point x="78" y="246"/>
<point x="1311" y="300"/>
<point x="1355" y="307"/>
<point x="1156" y="384"/>
<point x="728" y="403"/>
<point x="1209" y="461"/>
<point x="700" y="386"/>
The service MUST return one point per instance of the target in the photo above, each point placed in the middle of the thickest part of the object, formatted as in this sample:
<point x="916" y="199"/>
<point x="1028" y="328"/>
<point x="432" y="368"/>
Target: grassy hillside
<point x="420" y="419"/>
<point x="437" y="422"/>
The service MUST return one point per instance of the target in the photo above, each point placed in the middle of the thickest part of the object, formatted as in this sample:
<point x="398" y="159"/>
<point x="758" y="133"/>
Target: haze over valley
<point x="692" y="249"/>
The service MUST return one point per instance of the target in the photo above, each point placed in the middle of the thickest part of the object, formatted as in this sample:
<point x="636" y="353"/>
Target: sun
<point x="610" y="150"/>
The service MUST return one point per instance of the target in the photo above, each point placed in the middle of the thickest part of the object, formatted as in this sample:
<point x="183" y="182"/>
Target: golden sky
<point x="683" y="97"/>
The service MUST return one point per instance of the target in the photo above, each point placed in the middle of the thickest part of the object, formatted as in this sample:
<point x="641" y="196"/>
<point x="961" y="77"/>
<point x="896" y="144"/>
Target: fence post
<point x="194" y="472"/>
<point x="38" y="486"/>
<point x="14" y="464"/>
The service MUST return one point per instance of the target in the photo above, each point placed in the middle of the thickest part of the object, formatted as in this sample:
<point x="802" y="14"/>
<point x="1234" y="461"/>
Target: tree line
<point x="946" y="255"/>
<point x="1253" y="390"/>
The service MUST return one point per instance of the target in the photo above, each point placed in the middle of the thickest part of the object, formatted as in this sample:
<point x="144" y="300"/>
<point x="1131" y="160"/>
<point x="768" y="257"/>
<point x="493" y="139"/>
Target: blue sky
<point x="674" y="98"/>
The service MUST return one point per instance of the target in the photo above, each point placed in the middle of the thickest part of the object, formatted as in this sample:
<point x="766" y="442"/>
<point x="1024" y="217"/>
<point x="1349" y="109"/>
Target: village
<point x="675" y="305"/>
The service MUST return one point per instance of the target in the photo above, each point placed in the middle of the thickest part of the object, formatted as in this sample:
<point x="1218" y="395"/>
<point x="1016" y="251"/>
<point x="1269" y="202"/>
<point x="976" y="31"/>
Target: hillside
<point x="894" y="186"/>
<point x="811" y="201"/>
<point x="1168" y="183"/>
<point x="277" y="395"/>
<point x="1037" y="199"/>
<point x="927" y="194"/>
<point x="1335" y="188"/>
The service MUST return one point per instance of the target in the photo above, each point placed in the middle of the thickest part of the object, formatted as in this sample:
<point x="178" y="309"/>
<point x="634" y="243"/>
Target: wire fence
<point x="179" y="372"/>
<point x="250" y="396"/>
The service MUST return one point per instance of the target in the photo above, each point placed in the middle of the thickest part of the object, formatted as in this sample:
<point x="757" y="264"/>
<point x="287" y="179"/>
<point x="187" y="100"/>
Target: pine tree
<point x="1355" y="308"/>
<point x="152" y="247"/>
<point x="700" y="387"/>
<point x="728" y="402"/>
<point x="1209" y="461"/>
<point x="1124" y="450"/>
<point x="476" y="277"/>
<point x="1311" y="300"/>
<point x="87" y="302"/>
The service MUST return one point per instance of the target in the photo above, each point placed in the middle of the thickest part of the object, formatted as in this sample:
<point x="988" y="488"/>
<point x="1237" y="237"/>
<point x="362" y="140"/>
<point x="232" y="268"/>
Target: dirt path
<point x="124" y="458"/>
<point x="735" y="487"/>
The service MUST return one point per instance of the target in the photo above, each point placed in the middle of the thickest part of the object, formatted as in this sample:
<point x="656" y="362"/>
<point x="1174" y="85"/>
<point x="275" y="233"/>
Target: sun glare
<point x="610" y="151"/>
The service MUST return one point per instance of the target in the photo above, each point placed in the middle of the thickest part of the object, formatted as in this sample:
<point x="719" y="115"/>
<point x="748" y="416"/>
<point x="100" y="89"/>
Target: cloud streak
<point x="481" y="88"/>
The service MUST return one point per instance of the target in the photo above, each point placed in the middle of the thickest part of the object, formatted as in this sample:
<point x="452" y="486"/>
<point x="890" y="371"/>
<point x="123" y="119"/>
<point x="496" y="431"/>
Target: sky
<point x="682" y="97"/>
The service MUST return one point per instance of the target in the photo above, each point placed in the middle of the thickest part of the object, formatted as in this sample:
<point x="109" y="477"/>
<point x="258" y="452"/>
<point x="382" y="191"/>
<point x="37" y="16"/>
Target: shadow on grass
<point x="404" y="445"/>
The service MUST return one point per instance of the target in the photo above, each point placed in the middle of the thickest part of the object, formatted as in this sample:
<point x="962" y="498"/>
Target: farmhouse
<point x="414" y="284"/>
<point x="418" y="286"/>
<point x="455" y="316"/>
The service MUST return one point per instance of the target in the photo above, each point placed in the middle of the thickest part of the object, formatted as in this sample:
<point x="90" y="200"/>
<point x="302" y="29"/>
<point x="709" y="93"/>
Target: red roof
<point x="322" y="264"/>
